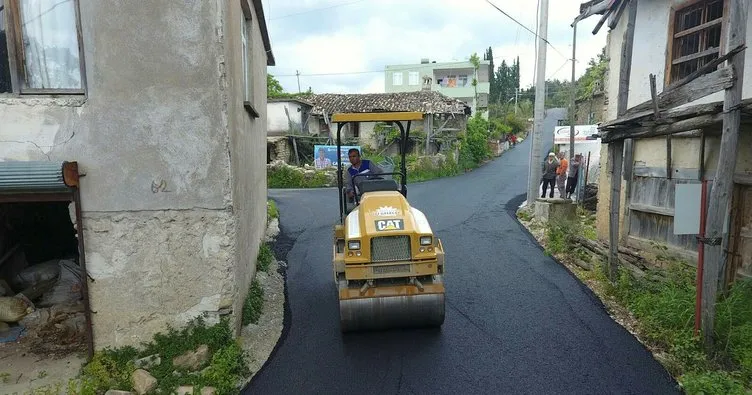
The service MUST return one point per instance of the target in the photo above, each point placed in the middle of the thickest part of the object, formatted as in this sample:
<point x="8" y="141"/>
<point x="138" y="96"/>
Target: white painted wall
<point x="649" y="55"/>
<point x="277" y="121"/>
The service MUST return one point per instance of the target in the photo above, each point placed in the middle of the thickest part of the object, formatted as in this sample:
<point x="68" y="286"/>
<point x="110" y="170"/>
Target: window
<point x="695" y="39"/>
<point x="397" y="78"/>
<point x="451" y="81"/>
<point x="246" y="60"/>
<point x="414" y="78"/>
<point x="462" y="80"/>
<point x="41" y="47"/>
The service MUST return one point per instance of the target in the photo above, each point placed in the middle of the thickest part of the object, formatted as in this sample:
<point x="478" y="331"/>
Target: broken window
<point x="696" y="36"/>
<point x="42" y="46"/>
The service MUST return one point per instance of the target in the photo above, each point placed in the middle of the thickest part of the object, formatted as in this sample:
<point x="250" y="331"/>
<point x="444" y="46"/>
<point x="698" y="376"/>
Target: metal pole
<point x="540" y="99"/>
<point x="342" y="202"/>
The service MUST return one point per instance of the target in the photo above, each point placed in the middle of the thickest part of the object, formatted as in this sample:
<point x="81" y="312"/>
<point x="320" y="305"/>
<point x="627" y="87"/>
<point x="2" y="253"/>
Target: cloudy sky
<point x="342" y="46"/>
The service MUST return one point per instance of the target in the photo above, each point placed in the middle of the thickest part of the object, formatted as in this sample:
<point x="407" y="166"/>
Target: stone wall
<point x="151" y="269"/>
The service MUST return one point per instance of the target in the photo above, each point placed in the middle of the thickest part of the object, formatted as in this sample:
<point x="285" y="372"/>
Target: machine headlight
<point x="426" y="240"/>
<point x="353" y="244"/>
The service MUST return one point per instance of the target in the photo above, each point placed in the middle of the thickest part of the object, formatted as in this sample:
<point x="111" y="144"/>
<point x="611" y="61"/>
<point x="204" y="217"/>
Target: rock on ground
<point x="143" y="381"/>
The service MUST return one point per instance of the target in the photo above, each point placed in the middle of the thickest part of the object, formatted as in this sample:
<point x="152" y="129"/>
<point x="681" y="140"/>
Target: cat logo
<point x="390" y="224"/>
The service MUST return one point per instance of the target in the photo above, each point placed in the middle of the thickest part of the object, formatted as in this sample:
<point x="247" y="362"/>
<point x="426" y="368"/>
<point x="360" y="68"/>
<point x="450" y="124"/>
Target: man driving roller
<point x="358" y="166"/>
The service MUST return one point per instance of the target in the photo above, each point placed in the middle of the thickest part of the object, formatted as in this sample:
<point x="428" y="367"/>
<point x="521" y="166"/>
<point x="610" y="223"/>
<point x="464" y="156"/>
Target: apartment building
<point x="453" y="79"/>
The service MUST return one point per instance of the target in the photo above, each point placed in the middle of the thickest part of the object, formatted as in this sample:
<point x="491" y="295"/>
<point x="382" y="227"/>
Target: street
<point x="516" y="320"/>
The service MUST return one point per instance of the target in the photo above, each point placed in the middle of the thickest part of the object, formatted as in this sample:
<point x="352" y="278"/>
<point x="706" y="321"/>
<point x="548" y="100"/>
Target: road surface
<point x="516" y="320"/>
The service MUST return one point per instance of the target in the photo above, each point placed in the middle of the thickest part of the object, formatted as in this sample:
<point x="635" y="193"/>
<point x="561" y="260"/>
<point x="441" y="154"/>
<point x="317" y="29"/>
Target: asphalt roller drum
<point x="378" y="313"/>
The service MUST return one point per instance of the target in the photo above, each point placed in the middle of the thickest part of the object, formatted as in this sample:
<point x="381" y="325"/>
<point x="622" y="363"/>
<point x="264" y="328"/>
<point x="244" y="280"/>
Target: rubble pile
<point x="41" y="305"/>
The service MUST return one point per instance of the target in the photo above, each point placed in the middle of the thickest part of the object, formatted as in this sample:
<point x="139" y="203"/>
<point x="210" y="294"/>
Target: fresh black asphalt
<point x="516" y="321"/>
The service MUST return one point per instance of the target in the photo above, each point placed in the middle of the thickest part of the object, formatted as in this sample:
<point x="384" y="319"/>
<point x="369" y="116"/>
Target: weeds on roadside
<point x="265" y="257"/>
<point x="271" y="209"/>
<point x="254" y="303"/>
<point x="112" y="368"/>
<point x="665" y="313"/>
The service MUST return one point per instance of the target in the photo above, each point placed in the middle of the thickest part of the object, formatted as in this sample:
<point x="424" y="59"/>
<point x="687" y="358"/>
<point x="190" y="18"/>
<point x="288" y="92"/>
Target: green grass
<point x="665" y="313"/>
<point x="271" y="209"/>
<point x="287" y="177"/>
<point x="254" y="304"/>
<point x="112" y="368"/>
<point x="265" y="257"/>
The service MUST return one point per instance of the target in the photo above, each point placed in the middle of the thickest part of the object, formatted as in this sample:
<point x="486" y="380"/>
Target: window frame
<point x="246" y="58"/>
<point x="401" y="78"/>
<point x="676" y="8"/>
<point x="14" y="39"/>
<point x="410" y="75"/>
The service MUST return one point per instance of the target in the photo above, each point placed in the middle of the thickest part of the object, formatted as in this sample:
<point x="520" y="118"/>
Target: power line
<point x="525" y="27"/>
<point x="316" y="9"/>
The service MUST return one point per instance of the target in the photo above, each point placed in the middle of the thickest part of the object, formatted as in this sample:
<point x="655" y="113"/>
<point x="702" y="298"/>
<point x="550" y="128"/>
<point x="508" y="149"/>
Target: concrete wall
<point x="247" y="145"/>
<point x="277" y="120"/>
<point x="170" y="221"/>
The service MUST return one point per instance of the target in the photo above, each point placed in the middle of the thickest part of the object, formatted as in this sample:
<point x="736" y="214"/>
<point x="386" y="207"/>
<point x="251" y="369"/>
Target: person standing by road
<point x="549" y="174"/>
<point x="574" y="173"/>
<point x="561" y="174"/>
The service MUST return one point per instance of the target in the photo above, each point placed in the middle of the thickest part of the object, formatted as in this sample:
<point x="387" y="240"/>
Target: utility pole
<point x="516" y="94"/>
<point x="540" y="100"/>
<point x="572" y="99"/>
<point x="297" y="74"/>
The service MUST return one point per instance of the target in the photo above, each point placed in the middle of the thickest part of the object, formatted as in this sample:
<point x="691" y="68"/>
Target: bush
<point x="707" y="383"/>
<point x="289" y="177"/>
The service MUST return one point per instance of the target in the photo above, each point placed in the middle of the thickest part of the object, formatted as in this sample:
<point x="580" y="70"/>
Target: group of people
<point x="558" y="171"/>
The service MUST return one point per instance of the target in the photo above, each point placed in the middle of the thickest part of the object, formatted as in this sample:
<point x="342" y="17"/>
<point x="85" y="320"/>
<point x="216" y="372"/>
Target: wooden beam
<point x="723" y="184"/>
<point x="699" y="122"/>
<point x="616" y="149"/>
<point x="668" y="156"/>
<point x="702" y="86"/>
<point x="615" y="158"/>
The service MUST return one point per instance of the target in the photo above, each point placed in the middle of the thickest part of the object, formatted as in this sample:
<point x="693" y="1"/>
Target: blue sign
<point x="326" y="155"/>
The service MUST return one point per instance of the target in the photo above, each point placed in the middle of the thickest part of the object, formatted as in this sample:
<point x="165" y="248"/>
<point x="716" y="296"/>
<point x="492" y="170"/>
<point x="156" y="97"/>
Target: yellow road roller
<point x="388" y="265"/>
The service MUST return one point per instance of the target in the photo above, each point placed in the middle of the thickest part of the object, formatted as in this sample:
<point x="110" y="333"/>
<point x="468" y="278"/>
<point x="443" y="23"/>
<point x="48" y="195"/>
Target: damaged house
<point x="679" y="79"/>
<point x="676" y="138"/>
<point x="131" y="159"/>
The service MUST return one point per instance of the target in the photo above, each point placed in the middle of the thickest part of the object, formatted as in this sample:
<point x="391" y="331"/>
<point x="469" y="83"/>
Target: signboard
<point x="582" y="133"/>
<point x="326" y="155"/>
<point x="687" y="204"/>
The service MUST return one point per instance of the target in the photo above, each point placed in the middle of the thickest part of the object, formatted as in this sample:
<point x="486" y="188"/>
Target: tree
<point x="491" y="72"/>
<point x="475" y="60"/>
<point x="273" y="87"/>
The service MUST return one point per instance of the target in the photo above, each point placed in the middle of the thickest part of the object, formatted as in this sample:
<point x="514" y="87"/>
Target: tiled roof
<point x="429" y="102"/>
